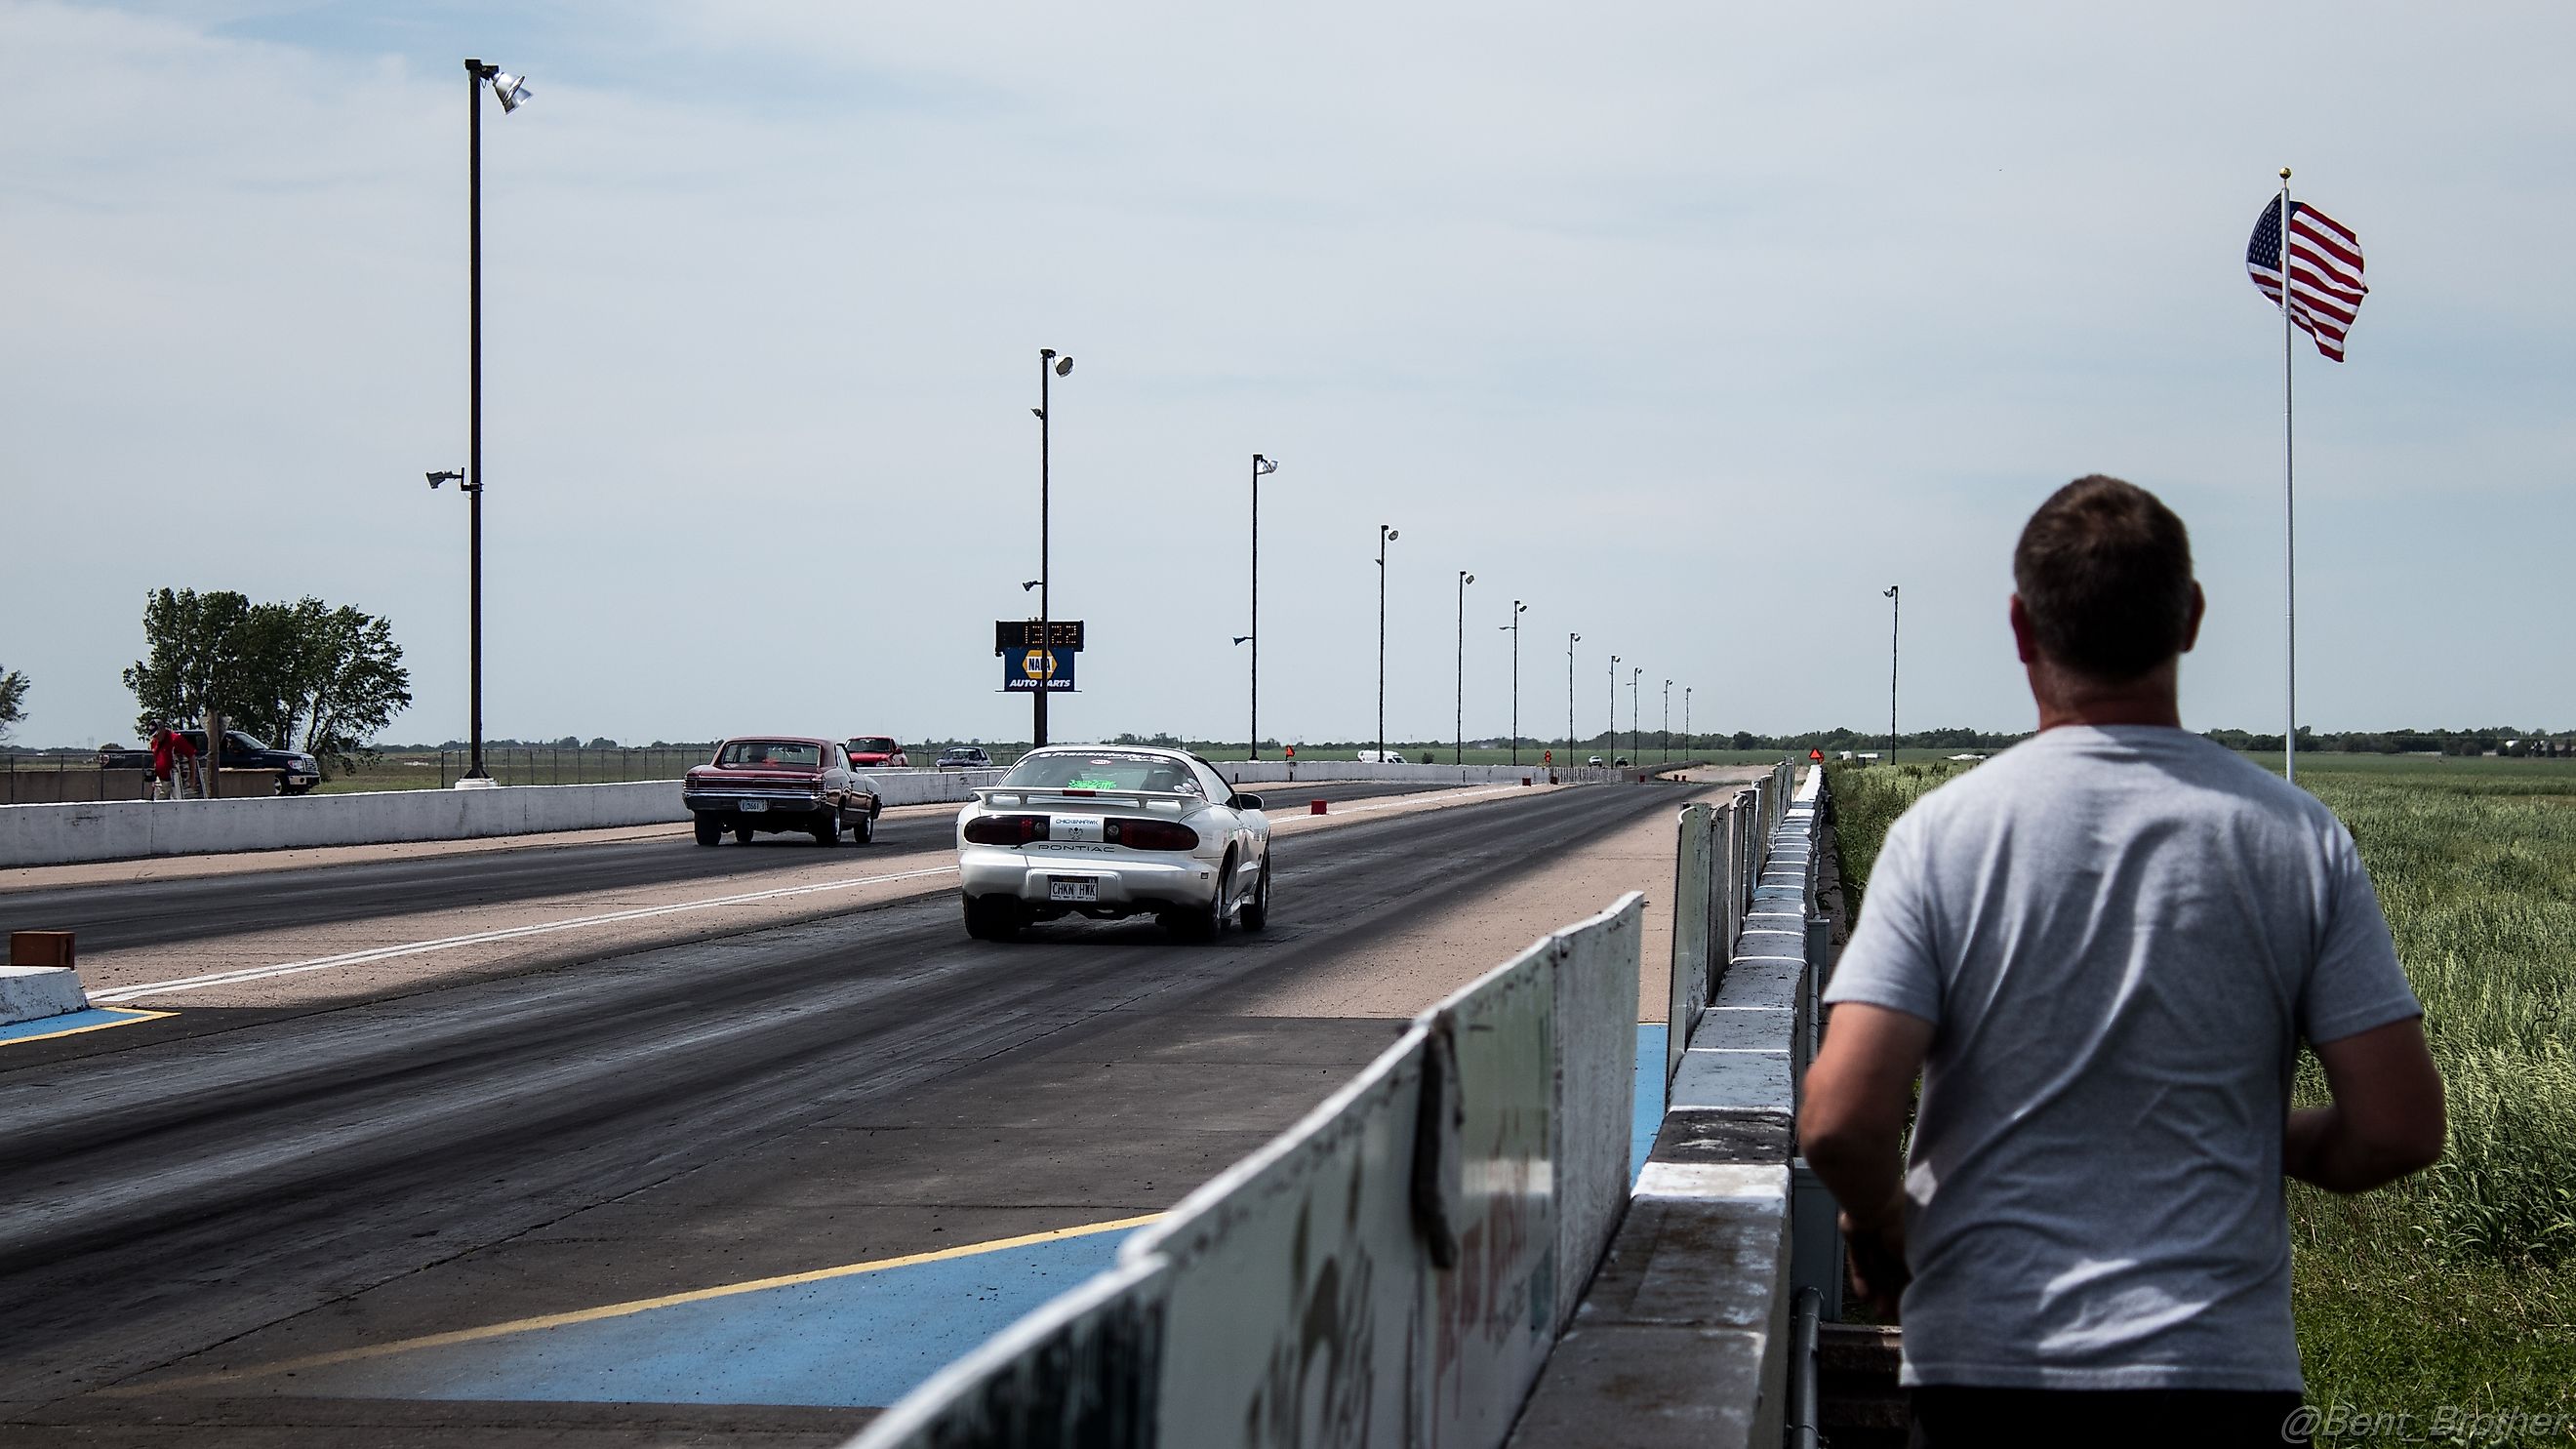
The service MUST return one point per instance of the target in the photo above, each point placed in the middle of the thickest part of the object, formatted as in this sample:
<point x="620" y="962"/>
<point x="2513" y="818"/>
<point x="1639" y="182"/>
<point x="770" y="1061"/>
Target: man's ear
<point x="2199" y="607"/>
<point x="2022" y="639"/>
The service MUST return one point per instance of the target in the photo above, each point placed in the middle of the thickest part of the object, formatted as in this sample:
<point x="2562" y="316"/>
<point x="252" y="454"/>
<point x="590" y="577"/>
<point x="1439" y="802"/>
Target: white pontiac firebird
<point x="1113" y="831"/>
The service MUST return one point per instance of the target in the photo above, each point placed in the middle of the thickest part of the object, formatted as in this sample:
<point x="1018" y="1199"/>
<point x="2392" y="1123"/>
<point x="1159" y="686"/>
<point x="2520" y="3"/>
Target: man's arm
<point x="1858" y="1090"/>
<point x="2387" y="1118"/>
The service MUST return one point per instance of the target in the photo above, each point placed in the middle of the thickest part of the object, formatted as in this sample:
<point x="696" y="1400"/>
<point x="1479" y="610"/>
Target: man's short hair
<point x="2104" y="573"/>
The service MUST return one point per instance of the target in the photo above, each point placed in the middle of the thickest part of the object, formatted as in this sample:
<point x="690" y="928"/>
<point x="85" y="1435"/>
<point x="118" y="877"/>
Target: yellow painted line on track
<point x="128" y="1016"/>
<point x="509" y="933"/>
<point x="627" y="1309"/>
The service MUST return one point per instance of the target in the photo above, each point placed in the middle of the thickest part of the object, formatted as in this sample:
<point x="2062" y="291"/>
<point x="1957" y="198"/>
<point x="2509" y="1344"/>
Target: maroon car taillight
<point x="1006" y="829"/>
<point x="1150" y="835"/>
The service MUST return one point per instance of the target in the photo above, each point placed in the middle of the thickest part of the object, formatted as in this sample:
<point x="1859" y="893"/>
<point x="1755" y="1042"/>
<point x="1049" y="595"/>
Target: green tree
<point x="193" y="657"/>
<point x="13" y="700"/>
<point x="350" y="681"/>
<point x="269" y="668"/>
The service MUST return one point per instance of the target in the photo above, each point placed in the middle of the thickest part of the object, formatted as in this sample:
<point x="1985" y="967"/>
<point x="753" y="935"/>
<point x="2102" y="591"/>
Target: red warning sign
<point x="1815" y="754"/>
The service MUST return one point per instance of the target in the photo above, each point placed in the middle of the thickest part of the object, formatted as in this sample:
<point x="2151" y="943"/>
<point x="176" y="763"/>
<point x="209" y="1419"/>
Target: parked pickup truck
<point x="296" y="772"/>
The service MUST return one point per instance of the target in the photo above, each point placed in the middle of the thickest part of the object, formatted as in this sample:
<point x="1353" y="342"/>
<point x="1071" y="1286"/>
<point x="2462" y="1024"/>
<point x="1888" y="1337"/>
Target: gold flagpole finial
<point x="2285" y="173"/>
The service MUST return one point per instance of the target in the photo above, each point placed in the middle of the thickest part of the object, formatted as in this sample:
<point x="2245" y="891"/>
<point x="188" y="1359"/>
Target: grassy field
<point x="2458" y="1287"/>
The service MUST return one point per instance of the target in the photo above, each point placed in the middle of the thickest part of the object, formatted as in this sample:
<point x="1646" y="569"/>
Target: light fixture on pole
<point x="1458" y="749"/>
<point x="513" y="93"/>
<point x="1571" y="639"/>
<point x="1050" y="366"/>
<point x="1893" y="605"/>
<point x="1518" y="609"/>
<point x="1385" y="536"/>
<point x="1260" y="465"/>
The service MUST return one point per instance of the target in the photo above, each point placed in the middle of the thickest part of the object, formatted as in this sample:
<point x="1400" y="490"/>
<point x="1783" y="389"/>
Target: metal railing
<point x="540" y="764"/>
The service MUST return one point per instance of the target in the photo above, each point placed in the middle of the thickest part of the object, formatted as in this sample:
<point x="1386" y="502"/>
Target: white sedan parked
<point x="1109" y="832"/>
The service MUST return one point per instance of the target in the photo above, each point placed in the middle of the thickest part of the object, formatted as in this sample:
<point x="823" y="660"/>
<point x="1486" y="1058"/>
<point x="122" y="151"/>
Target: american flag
<point x="2325" y="271"/>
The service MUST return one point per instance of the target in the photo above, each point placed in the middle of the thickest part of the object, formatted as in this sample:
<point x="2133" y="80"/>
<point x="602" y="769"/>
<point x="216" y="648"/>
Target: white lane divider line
<point x="511" y="933"/>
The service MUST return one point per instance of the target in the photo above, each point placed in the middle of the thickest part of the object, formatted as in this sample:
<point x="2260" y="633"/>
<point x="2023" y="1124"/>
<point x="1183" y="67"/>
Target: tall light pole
<point x="1458" y="749"/>
<point x="1518" y="609"/>
<point x="512" y="91"/>
<point x="1260" y="465"/>
<point x="1664" y="750"/>
<point x="1893" y="605"/>
<point x="1690" y="741"/>
<point x="1613" y="741"/>
<point x="1636" y="751"/>
<point x="1571" y="640"/>
<point x="1385" y="536"/>
<point x="1049" y="366"/>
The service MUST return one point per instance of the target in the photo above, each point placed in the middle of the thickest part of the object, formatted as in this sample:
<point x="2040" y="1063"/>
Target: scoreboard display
<point x="1015" y="634"/>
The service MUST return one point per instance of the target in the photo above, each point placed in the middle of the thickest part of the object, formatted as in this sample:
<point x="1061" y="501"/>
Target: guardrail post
<point x="1694" y="877"/>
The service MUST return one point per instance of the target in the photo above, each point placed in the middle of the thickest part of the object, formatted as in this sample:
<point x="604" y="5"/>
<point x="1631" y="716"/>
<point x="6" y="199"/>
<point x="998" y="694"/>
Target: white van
<point x="1373" y="757"/>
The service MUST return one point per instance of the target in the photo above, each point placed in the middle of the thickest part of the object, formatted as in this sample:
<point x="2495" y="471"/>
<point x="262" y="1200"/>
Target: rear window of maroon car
<point x="770" y="755"/>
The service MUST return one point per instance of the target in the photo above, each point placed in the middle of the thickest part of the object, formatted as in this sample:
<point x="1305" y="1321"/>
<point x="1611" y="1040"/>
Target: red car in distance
<point x="877" y="752"/>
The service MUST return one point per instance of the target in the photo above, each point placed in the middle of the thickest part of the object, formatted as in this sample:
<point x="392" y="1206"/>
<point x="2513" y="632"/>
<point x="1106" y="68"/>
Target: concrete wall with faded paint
<point x="1392" y="1270"/>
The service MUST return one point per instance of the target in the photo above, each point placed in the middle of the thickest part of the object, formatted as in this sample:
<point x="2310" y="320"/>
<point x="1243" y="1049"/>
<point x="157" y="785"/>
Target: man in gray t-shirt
<point x="2101" y="950"/>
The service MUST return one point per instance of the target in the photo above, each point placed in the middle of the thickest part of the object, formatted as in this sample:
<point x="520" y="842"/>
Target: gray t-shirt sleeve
<point x="1890" y="960"/>
<point x="2356" y="983"/>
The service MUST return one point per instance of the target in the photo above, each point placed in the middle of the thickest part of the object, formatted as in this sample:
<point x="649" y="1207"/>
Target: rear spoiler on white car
<point x="1034" y="797"/>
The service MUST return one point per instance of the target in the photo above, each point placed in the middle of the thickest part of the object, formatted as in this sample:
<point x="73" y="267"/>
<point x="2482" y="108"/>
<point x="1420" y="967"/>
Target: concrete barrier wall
<point x="1684" y="1338"/>
<point x="1391" y="1270"/>
<point x="134" y="829"/>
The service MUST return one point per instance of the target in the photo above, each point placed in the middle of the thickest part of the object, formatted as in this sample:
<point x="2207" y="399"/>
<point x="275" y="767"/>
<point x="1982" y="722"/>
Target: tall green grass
<point x="1867" y="799"/>
<point x="2458" y="1286"/>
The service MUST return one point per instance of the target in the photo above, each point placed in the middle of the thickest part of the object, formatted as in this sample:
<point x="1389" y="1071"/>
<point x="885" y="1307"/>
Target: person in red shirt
<point x="173" y="761"/>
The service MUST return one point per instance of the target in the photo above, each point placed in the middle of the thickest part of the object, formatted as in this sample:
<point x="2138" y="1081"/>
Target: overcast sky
<point x="1693" y="326"/>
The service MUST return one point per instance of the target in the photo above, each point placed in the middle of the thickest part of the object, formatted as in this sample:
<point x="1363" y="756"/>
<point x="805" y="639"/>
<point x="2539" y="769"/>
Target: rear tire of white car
<point x="1202" y="923"/>
<point x="992" y="918"/>
<point x="1255" y="914"/>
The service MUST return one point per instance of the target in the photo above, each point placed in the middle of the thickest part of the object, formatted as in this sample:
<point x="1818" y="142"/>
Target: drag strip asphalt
<point x="855" y="1088"/>
<point x="120" y="915"/>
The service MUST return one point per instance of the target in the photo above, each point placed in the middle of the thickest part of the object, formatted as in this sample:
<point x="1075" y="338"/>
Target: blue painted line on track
<point x="1649" y="1113"/>
<point x="856" y="1342"/>
<point x="90" y="1019"/>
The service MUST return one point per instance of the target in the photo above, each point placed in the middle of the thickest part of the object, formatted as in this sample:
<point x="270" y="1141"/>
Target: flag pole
<point x="2289" y="514"/>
